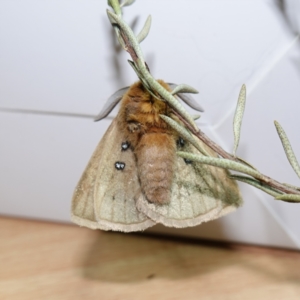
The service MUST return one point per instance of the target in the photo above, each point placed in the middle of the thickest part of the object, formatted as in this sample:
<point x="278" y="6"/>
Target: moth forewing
<point x="105" y="196"/>
<point x="82" y="210"/>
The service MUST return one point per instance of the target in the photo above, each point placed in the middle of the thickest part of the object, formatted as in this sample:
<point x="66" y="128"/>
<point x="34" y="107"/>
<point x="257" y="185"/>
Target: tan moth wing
<point x="105" y="197"/>
<point x="134" y="179"/>
<point x="199" y="193"/>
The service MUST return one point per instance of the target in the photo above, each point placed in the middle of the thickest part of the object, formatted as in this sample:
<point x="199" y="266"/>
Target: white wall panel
<point x="61" y="56"/>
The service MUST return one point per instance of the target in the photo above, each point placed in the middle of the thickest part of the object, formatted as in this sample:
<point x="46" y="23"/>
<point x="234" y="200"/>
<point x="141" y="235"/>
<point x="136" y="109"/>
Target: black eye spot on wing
<point x="119" y="165"/>
<point x="187" y="161"/>
<point x="125" y="146"/>
<point x="180" y="142"/>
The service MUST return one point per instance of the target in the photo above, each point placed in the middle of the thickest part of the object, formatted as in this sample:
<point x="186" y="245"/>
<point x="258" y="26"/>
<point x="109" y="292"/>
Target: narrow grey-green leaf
<point x="257" y="184"/>
<point x="196" y="117"/>
<point x="289" y="198"/>
<point x="238" y="117"/>
<point x="187" y="99"/>
<point x="168" y="97"/>
<point x="144" y="32"/>
<point x="292" y="186"/>
<point x="120" y="39"/>
<point x="288" y="148"/>
<point x="184" y="133"/>
<point x="145" y="84"/>
<point x="126" y="3"/>
<point x="132" y="64"/>
<point x="117" y="31"/>
<point x="184" y="88"/>
<point x="221" y="163"/>
<point x="115" y="6"/>
<point x="246" y="163"/>
<point x="126" y="30"/>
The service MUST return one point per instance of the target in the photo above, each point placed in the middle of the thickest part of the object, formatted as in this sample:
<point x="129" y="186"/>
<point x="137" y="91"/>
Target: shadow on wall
<point x="291" y="13"/>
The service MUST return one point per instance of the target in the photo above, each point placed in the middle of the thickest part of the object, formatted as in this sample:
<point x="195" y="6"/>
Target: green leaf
<point x="258" y="184"/>
<point x="222" y="163"/>
<point x="126" y="30"/>
<point x="196" y="117"/>
<point x="144" y="82"/>
<point x="292" y="186"/>
<point x="238" y="117"/>
<point x="288" y="148"/>
<point x="115" y="6"/>
<point x="127" y="3"/>
<point x="289" y="198"/>
<point x="145" y="30"/>
<point x="245" y="163"/>
<point x="184" y="88"/>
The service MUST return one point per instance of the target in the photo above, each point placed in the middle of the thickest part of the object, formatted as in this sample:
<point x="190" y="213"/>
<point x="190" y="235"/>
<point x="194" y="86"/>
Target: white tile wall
<point x="61" y="56"/>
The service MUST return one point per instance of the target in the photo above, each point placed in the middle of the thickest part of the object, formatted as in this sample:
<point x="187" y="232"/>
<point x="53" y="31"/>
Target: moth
<point x="134" y="179"/>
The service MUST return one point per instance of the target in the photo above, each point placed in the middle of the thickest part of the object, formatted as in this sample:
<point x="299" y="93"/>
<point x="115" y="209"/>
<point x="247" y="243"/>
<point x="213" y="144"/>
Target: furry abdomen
<point x="152" y="141"/>
<point x="155" y="154"/>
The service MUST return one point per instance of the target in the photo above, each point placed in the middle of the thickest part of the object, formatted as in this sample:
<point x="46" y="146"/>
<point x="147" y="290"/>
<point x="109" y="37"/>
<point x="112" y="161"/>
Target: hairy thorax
<point x="151" y="139"/>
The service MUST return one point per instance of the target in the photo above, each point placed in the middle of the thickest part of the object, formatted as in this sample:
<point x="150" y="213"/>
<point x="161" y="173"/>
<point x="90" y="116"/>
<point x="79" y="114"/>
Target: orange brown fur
<point x="151" y="139"/>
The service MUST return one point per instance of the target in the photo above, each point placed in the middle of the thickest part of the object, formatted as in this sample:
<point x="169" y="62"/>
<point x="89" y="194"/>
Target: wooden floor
<point x="53" y="261"/>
